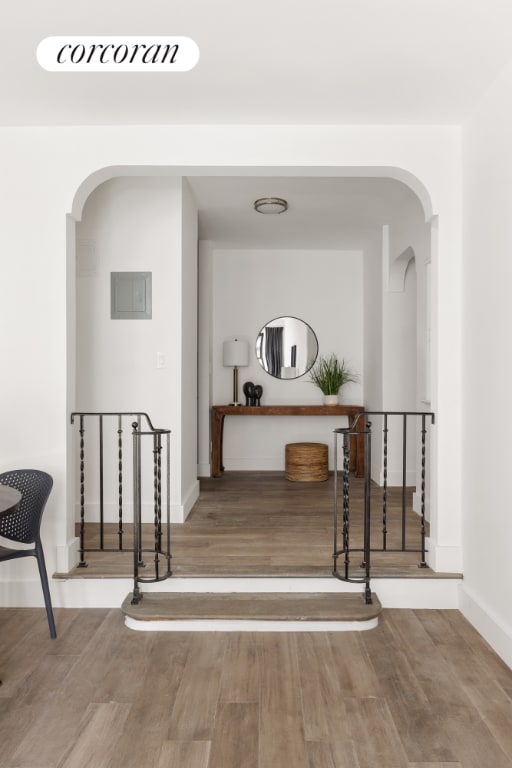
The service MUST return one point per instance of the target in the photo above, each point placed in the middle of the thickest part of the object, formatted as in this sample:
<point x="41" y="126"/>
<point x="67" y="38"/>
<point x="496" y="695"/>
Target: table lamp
<point x="235" y="354"/>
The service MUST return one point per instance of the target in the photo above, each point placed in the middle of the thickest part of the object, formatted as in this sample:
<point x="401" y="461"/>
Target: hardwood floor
<point x="260" y="524"/>
<point x="423" y="690"/>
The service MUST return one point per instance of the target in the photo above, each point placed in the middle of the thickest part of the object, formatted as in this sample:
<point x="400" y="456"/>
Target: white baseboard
<point x="257" y="464"/>
<point x="443" y="559"/>
<point x="179" y="512"/>
<point x="491" y="627"/>
<point x="187" y="503"/>
<point x="89" y="593"/>
<point x="416" y="504"/>
<point x="111" y="512"/>
<point x="67" y="556"/>
<point x="394" y="477"/>
<point x="442" y="594"/>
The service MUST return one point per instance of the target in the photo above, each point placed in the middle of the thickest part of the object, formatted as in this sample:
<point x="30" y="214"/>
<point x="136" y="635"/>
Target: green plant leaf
<point x="330" y="374"/>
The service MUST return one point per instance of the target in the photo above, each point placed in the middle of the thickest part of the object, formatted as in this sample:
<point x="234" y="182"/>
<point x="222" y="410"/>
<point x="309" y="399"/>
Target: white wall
<point x="399" y="375"/>
<point x="189" y="351"/>
<point x="487" y="366"/>
<point x="251" y="288"/>
<point x="138" y="224"/>
<point x="396" y="333"/>
<point x="128" y="224"/>
<point x="204" y="352"/>
<point x="372" y="326"/>
<point x="47" y="174"/>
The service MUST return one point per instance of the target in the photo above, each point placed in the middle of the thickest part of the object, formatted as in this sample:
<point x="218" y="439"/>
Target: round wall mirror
<point x="286" y="348"/>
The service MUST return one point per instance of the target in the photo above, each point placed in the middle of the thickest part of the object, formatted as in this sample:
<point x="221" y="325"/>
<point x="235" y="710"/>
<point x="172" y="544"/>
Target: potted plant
<point x="330" y="374"/>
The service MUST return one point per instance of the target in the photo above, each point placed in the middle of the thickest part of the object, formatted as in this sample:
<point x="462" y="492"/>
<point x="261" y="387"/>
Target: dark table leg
<point x="217" y="438"/>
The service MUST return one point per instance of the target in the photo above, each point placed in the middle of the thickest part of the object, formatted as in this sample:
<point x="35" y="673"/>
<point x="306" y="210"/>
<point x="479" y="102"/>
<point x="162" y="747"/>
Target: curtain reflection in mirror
<point x="286" y="347"/>
<point x="273" y="343"/>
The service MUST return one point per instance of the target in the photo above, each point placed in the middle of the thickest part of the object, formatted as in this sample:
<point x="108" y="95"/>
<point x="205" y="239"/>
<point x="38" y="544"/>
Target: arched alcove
<point x="109" y="175"/>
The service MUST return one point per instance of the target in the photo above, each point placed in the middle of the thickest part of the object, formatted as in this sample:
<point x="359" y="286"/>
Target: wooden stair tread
<point x="260" y="606"/>
<point x="120" y="566"/>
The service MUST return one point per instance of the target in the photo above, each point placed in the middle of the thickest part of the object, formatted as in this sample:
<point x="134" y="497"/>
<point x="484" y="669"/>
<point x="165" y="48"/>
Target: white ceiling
<point x="271" y="61"/>
<point x="323" y="213"/>
<point x="268" y="62"/>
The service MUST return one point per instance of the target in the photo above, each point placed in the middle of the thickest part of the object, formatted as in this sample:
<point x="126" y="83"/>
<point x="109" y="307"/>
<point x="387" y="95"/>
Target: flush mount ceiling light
<point x="270" y="205"/>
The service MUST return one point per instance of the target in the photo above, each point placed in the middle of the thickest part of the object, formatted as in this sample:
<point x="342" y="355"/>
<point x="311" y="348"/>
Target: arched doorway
<point x="207" y="343"/>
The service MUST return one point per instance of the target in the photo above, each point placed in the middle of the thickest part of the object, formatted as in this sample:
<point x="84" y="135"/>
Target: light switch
<point x="160" y="360"/>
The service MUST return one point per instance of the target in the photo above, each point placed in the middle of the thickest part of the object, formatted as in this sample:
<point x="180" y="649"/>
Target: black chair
<point x="23" y="525"/>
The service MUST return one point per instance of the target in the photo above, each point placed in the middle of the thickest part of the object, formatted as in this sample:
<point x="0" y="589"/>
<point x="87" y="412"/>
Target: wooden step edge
<point x="260" y="572"/>
<point x="161" y="611"/>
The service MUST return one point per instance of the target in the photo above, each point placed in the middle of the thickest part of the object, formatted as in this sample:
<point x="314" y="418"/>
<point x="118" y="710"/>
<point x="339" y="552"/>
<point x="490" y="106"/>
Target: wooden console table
<point x="220" y="411"/>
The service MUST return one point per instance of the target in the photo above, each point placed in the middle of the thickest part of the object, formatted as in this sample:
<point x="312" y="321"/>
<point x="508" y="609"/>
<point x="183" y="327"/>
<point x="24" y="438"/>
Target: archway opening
<point x="216" y="278"/>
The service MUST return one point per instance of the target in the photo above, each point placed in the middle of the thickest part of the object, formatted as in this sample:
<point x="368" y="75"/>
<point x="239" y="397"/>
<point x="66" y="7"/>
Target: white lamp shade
<point x="235" y="353"/>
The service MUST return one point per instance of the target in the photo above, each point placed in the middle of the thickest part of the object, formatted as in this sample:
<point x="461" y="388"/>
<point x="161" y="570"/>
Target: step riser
<point x="110" y="593"/>
<point x="250" y="626"/>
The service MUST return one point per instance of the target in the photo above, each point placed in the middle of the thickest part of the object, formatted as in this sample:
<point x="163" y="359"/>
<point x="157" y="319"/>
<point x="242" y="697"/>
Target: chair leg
<point x="46" y="589"/>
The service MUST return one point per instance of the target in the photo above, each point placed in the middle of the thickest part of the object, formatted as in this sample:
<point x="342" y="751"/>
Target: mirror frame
<point x="288" y="372"/>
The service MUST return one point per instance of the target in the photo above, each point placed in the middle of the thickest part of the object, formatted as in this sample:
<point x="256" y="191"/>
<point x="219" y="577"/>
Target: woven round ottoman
<point x="306" y="462"/>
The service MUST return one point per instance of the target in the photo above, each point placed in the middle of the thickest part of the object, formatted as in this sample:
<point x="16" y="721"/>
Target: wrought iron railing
<point x="342" y="522"/>
<point x="158" y="440"/>
<point x="157" y="550"/>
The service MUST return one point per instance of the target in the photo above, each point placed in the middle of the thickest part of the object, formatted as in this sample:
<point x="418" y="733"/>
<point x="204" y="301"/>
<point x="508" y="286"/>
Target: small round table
<point x="9" y="499"/>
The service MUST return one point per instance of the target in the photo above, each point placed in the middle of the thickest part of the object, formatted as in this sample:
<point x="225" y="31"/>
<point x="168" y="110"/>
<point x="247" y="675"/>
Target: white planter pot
<point x="330" y="399"/>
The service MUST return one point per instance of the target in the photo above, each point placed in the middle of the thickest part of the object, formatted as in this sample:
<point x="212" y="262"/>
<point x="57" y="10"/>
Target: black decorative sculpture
<point x="253" y="393"/>
<point x="248" y="389"/>
<point x="258" y="391"/>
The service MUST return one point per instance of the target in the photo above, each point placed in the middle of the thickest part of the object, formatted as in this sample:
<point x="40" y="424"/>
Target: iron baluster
<point x="120" y="480"/>
<point x="346" y="502"/>
<point x="385" y="486"/>
<point x="404" y="477"/>
<point x="102" y="519"/>
<point x="335" y="507"/>
<point x="366" y="492"/>
<point x="157" y="496"/>
<point x="137" y="595"/>
<point x="423" y="563"/>
<point x="82" y="562"/>
<point x="367" y="512"/>
<point x="168" y="511"/>
<point x="137" y="425"/>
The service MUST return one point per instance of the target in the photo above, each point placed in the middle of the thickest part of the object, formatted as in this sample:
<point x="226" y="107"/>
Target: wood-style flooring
<point x="260" y="524"/>
<point x="423" y="690"/>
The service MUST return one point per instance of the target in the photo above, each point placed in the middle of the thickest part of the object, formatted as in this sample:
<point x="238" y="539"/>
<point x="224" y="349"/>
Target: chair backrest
<point x="35" y="486"/>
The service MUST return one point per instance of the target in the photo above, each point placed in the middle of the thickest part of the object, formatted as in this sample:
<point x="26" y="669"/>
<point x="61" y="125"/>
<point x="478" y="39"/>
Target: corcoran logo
<point x="117" y="54"/>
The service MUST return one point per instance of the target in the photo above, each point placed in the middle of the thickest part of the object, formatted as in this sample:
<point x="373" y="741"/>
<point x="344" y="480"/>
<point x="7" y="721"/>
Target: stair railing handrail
<point x="346" y="433"/>
<point x="141" y="417"/>
<point x="404" y="414"/>
<point x="354" y="430"/>
<point x="156" y="435"/>
<point x="118" y="413"/>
